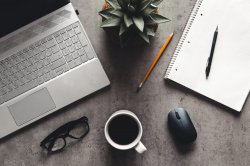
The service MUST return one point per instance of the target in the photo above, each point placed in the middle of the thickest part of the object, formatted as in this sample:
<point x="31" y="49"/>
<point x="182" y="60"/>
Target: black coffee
<point x="123" y="129"/>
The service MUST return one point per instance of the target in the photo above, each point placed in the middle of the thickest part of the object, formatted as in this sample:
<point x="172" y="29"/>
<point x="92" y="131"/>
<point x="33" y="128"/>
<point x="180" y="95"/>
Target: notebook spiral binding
<point x="184" y="35"/>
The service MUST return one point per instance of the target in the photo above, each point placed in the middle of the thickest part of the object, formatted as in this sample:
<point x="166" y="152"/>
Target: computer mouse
<point x="181" y="126"/>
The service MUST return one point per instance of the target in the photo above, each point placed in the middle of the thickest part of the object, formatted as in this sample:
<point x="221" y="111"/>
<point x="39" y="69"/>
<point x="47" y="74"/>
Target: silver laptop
<point x="44" y="66"/>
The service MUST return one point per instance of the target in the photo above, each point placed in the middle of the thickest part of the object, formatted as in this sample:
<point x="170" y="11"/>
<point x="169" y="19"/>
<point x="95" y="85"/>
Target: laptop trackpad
<point x="32" y="106"/>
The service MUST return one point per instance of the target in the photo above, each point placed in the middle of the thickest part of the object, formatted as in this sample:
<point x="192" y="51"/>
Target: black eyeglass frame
<point x="64" y="132"/>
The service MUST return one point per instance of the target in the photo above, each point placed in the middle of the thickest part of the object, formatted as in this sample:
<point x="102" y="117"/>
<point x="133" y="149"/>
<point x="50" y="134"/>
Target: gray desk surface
<point x="223" y="136"/>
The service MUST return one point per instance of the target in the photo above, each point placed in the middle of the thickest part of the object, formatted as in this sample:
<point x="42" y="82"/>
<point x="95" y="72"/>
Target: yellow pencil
<point x="155" y="60"/>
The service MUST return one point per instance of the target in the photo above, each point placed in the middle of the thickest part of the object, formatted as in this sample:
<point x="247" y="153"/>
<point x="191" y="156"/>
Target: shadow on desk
<point x="122" y="157"/>
<point x="199" y="96"/>
<point x="182" y="148"/>
<point x="127" y="57"/>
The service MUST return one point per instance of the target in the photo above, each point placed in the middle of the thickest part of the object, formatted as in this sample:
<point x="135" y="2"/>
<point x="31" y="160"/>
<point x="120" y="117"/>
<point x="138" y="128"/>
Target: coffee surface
<point x="123" y="129"/>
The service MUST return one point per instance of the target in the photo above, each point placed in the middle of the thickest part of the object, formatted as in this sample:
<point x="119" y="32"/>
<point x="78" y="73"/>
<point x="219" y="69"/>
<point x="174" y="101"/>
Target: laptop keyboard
<point x="42" y="61"/>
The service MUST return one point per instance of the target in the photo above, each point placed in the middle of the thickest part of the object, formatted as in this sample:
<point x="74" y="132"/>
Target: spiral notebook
<point x="229" y="79"/>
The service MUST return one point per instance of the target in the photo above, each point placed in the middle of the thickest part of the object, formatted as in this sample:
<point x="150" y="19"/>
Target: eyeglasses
<point x="76" y="129"/>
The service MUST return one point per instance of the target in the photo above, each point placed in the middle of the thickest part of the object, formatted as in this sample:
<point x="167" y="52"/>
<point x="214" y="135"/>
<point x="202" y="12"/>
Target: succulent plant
<point x="133" y="16"/>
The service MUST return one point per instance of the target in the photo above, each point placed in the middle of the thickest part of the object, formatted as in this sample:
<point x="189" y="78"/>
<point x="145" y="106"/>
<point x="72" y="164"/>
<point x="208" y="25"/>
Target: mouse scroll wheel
<point x="177" y="115"/>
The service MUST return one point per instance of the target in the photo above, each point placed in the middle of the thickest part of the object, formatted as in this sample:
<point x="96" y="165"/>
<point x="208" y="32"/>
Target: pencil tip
<point x="139" y="87"/>
<point x="217" y="28"/>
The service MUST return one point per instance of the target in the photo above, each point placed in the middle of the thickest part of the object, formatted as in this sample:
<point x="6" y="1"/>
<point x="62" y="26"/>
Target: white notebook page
<point x="229" y="79"/>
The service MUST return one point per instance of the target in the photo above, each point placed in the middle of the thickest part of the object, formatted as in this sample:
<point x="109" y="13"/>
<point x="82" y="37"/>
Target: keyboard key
<point x="56" y="34"/>
<point x="48" y="52"/>
<point x="78" y="45"/>
<point x="43" y="41"/>
<point x="46" y="77"/>
<point x="42" y="55"/>
<point x="72" y="48"/>
<point x="37" y="44"/>
<point x="49" y="38"/>
<point x="65" y="36"/>
<point x="75" y="63"/>
<point x="19" y="82"/>
<point x="69" y="58"/>
<point x="68" y="28"/>
<point x="62" y="45"/>
<point x="77" y="30"/>
<point x="75" y="25"/>
<point x="84" y="58"/>
<point x="52" y="74"/>
<point x="1" y="99"/>
<point x="39" y="65"/>
<point x="46" y="69"/>
<point x="59" y="39"/>
<point x="89" y="52"/>
<point x="74" y="39"/>
<point x="3" y="90"/>
<point x="59" y="70"/>
<point x="58" y="63"/>
<point x="25" y="50"/>
<point x="10" y="95"/>
<point x="72" y="64"/>
<point x="65" y="68"/>
<point x="82" y="39"/>
<point x="29" y="54"/>
<point x="78" y="61"/>
<point x="33" y="75"/>
<point x="55" y="56"/>
<point x="63" y="31"/>
<point x="68" y="42"/>
<point x="46" y="61"/>
<point x="13" y="78"/>
<point x="75" y="55"/>
<point x="36" y="51"/>
<point x="81" y="52"/>
<point x="40" y="80"/>
<point x="65" y="51"/>
<point x="71" y="33"/>
<point x="55" y="49"/>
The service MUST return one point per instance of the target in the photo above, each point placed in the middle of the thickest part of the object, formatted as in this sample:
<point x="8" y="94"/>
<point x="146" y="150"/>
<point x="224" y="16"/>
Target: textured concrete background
<point x="223" y="136"/>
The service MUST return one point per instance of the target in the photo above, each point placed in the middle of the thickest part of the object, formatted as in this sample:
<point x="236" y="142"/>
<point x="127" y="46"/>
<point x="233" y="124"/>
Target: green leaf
<point x="117" y="13"/>
<point x="149" y="10"/>
<point x="139" y="22"/>
<point x="158" y="18"/>
<point x="131" y="8"/>
<point x="127" y="20"/>
<point x="153" y="6"/>
<point x="144" y="37"/>
<point x="156" y="2"/>
<point x="144" y="4"/>
<point x="111" y="22"/>
<point x="149" y="20"/>
<point x="123" y="29"/>
<point x="106" y="13"/>
<point x="114" y="4"/>
<point x="155" y="19"/>
<point x="122" y="3"/>
<point x="150" y="31"/>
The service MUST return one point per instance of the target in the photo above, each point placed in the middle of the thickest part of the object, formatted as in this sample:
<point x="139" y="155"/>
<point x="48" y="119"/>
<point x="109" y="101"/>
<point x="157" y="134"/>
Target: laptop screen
<point x="17" y="13"/>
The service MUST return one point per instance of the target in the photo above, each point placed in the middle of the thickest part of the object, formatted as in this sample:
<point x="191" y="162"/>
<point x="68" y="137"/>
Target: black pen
<point x="210" y="58"/>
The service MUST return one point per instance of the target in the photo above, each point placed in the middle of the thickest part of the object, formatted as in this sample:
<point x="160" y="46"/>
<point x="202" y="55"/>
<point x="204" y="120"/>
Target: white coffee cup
<point x="137" y="144"/>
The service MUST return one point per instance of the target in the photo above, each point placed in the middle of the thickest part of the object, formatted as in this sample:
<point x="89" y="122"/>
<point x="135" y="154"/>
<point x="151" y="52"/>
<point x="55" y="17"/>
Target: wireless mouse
<point x="181" y="126"/>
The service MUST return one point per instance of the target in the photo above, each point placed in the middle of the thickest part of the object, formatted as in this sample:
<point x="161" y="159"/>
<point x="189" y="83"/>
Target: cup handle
<point x="140" y="148"/>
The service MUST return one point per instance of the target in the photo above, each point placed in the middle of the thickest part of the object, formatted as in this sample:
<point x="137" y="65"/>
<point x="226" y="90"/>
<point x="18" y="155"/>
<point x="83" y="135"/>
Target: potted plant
<point x="132" y="22"/>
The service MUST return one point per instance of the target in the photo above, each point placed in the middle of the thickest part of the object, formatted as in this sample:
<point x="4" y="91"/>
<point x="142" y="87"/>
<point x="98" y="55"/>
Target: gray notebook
<point x="229" y="79"/>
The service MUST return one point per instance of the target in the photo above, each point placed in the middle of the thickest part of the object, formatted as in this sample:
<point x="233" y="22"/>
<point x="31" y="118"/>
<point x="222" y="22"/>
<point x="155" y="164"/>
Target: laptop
<point x="46" y="61"/>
